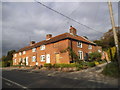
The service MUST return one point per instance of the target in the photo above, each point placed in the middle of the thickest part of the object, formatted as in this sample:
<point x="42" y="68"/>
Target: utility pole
<point x="114" y="32"/>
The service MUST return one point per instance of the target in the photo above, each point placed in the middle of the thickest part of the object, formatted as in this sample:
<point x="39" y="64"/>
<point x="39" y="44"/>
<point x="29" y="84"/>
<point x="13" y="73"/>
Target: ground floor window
<point x="23" y="60"/>
<point x="80" y="54"/>
<point x="20" y="59"/>
<point x="15" y="60"/>
<point x="42" y="58"/>
<point x="33" y="58"/>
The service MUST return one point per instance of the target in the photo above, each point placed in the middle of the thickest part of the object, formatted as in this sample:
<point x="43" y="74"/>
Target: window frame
<point x="33" y="49"/>
<point x="42" y="47"/>
<point x="89" y="46"/>
<point x="79" y="45"/>
<point x="41" y="58"/>
<point x="15" y="60"/>
<point x="20" y="53"/>
<point x="80" y="57"/>
<point x="33" y="58"/>
<point x="24" y="52"/>
<point x="15" y="55"/>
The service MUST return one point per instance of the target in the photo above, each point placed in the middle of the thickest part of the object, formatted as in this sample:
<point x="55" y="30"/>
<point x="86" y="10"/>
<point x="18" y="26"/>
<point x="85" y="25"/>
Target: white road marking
<point x="14" y="83"/>
<point x="8" y="84"/>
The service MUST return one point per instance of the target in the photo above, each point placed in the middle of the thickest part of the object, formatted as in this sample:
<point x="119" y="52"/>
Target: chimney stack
<point x="73" y="31"/>
<point x="32" y="43"/>
<point x="48" y="36"/>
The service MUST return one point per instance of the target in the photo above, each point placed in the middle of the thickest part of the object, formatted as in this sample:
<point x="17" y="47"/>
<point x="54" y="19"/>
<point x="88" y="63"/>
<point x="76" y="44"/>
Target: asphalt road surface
<point x="30" y="80"/>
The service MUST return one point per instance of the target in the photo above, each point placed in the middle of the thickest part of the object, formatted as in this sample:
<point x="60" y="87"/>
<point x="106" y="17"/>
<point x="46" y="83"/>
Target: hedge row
<point x="81" y="65"/>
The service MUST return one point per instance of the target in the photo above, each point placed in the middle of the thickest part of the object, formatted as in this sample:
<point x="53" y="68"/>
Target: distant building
<point x="50" y="50"/>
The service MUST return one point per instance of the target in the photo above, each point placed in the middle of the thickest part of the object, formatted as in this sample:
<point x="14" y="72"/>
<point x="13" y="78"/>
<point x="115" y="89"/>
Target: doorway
<point x="48" y="58"/>
<point x="26" y="60"/>
<point x="57" y="58"/>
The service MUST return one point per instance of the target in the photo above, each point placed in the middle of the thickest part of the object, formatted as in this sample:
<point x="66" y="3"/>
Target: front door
<point x="57" y="58"/>
<point x="26" y="60"/>
<point x="48" y="58"/>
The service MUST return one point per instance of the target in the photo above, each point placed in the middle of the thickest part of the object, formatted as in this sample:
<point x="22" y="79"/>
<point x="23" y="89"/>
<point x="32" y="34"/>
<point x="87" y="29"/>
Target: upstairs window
<point x="20" y="53"/>
<point x="79" y="44"/>
<point x="42" y="47"/>
<point x="42" y="58"/>
<point x="15" y="55"/>
<point x="24" y="52"/>
<point x="89" y="46"/>
<point x="34" y="50"/>
<point x="33" y="58"/>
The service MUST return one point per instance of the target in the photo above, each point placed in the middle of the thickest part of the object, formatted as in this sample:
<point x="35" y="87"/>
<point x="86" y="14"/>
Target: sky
<point x="26" y="21"/>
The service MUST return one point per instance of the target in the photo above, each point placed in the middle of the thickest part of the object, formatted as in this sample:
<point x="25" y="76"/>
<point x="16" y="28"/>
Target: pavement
<point x="29" y="79"/>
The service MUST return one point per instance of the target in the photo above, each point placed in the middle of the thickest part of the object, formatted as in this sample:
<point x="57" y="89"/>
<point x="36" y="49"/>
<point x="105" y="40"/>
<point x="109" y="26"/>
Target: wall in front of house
<point x="52" y="49"/>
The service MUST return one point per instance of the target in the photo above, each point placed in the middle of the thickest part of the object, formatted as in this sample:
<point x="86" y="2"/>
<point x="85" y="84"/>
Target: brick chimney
<point x="73" y="31"/>
<point x="48" y="36"/>
<point x="32" y="43"/>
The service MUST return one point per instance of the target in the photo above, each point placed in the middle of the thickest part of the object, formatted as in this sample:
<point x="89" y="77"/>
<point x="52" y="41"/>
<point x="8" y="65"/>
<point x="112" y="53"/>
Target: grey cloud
<point x="25" y="20"/>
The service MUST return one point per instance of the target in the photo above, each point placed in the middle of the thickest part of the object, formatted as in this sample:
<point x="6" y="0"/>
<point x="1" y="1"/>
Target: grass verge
<point x="111" y="70"/>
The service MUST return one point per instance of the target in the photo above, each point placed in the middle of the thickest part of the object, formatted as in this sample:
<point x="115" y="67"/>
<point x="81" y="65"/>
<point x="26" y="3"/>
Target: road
<point x="29" y="80"/>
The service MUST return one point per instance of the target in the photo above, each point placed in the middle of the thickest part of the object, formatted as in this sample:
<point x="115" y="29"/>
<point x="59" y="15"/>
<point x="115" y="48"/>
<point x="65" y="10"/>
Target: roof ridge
<point x="59" y="35"/>
<point x="57" y="38"/>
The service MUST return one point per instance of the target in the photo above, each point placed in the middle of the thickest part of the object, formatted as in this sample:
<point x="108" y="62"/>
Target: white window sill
<point x="42" y="49"/>
<point x="79" y="46"/>
<point x="42" y="60"/>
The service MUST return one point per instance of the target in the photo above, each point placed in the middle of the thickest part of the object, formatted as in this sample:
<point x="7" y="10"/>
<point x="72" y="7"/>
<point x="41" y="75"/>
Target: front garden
<point x="93" y="60"/>
<point x="73" y="66"/>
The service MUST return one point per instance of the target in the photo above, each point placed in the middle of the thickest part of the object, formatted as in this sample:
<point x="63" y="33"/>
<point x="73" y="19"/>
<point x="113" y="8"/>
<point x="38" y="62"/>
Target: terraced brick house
<point x="54" y="49"/>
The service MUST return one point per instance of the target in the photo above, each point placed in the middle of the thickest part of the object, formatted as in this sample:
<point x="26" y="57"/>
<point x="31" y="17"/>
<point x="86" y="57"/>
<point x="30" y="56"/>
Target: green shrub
<point x="56" y="65"/>
<point x="102" y="61"/>
<point x="64" y="65"/>
<point x="48" y="65"/>
<point x="18" y="65"/>
<point x="6" y="63"/>
<point x="0" y="63"/>
<point x="79" y="67"/>
<point x="112" y="53"/>
<point x="91" y="64"/>
<point x="95" y="56"/>
<point x="83" y="63"/>
<point x="111" y="69"/>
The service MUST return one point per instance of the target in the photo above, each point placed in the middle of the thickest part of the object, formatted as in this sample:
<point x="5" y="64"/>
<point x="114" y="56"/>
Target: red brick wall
<point x="51" y="49"/>
<point x="84" y="48"/>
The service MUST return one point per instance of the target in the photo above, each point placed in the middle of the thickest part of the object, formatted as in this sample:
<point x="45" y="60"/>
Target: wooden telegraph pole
<point x="114" y="32"/>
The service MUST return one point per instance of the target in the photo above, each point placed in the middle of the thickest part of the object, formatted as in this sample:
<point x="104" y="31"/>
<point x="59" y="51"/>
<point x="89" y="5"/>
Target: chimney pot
<point x="32" y="43"/>
<point x="73" y="31"/>
<point x="48" y="36"/>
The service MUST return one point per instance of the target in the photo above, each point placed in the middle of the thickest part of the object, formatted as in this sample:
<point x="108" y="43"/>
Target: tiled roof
<point x="57" y="38"/>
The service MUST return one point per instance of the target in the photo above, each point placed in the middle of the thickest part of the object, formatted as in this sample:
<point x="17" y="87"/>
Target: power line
<point x="64" y="21"/>
<point x="66" y="16"/>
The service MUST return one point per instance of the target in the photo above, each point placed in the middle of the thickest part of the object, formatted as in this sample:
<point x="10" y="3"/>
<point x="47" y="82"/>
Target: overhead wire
<point x="66" y="16"/>
<point x="66" y="20"/>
